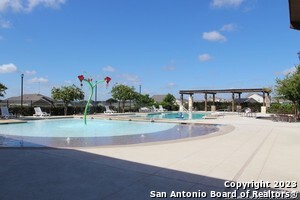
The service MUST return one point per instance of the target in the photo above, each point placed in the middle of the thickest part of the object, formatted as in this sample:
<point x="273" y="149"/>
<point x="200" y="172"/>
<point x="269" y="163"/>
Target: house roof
<point x="245" y="100"/>
<point x="249" y="95"/>
<point x="159" y="97"/>
<point x="32" y="98"/>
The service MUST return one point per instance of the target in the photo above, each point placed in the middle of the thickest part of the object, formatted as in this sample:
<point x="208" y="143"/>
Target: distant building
<point x="158" y="98"/>
<point x="217" y="99"/>
<point x="259" y="98"/>
<point x="281" y="100"/>
<point x="29" y="100"/>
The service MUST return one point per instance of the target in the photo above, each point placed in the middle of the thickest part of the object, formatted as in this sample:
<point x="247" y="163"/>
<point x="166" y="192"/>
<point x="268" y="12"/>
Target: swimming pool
<point x="175" y="115"/>
<point x="73" y="133"/>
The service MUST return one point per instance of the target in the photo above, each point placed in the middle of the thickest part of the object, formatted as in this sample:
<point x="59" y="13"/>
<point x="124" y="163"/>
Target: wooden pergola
<point x="294" y="8"/>
<point x="265" y="91"/>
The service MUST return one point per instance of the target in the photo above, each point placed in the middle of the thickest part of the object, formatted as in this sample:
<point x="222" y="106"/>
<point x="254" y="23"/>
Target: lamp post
<point x="22" y="77"/>
<point x="140" y="89"/>
<point x="299" y="55"/>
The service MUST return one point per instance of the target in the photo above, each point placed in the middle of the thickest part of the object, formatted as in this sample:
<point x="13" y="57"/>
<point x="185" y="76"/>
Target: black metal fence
<point x="27" y="108"/>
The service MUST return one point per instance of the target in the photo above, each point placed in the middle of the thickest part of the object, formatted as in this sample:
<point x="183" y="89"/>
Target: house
<point x="281" y="100"/>
<point x="29" y="100"/>
<point x="259" y="98"/>
<point x="158" y="98"/>
<point x="245" y="100"/>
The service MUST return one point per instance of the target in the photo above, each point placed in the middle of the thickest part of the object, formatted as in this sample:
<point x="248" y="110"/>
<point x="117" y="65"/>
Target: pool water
<point x="76" y="128"/>
<point x="74" y="133"/>
<point x="175" y="115"/>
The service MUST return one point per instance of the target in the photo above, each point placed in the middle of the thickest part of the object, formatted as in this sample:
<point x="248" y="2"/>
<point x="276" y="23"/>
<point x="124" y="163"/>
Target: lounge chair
<point x="161" y="109"/>
<point x="108" y="110"/>
<point x="5" y="113"/>
<point x="154" y="109"/>
<point x="39" y="113"/>
<point x="144" y="109"/>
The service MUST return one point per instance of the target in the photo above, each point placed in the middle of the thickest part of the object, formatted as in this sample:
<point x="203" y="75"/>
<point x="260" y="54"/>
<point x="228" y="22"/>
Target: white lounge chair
<point x="154" y="109"/>
<point x="5" y="113"/>
<point x="108" y="110"/>
<point x="144" y="109"/>
<point x="39" y="113"/>
<point x="161" y="109"/>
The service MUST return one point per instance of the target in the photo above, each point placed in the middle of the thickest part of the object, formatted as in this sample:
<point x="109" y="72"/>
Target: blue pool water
<point x="76" y="128"/>
<point x="74" y="133"/>
<point x="175" y="115"/>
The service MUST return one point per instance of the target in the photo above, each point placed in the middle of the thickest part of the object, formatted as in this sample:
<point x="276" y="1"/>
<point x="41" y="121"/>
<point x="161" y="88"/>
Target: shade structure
<point x="294" y="8"/>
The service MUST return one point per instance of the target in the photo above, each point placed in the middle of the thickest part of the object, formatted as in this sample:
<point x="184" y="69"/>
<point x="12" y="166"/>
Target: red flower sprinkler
<point x="92" y="86"/>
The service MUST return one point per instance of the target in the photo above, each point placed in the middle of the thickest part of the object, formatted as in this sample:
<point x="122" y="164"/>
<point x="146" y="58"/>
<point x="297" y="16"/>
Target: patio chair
<point x="108" y="110"/>
<point x="161" y="109"/>
<point x="154" y="109"/>
<point x="5" y="113"/>
<point x="39" y="113"/>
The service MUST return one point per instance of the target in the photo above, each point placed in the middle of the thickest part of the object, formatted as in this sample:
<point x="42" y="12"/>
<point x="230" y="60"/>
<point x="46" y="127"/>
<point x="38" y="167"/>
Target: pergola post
<point x="181" y="99"/>
<point x="263" y="109"/>
<point x="191" y="102"/>
<point x="239" y="107"/>
<point x="205" y="102"/>
<point x="228" y="91"/>
<point x="213" y="107"/>
<point x="232" y="103"/>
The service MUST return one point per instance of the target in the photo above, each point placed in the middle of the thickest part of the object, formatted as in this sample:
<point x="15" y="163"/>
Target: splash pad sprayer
<point x="92" y="86"/>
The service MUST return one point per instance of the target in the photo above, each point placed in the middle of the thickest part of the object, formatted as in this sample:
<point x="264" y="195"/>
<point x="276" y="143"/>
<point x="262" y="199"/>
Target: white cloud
<point x="32" y="72"/>
<point x="171" y="84"/>
<point x="109" y="69"/>
<point x="5" y="24"/>
<point x="14" y="5"/>
<point x="228" y="27"/>
<point x="28" y="5"/>
<point x="169" y="68"/>
<point x="226" y="3"/>
<point x="38" y="80"/>
<point x="131" y="78"/>
<point x="204" y="57"/>
<point x="7" y="68"/>
<point x="288" y="71"/>
<point x="214" y="36"/>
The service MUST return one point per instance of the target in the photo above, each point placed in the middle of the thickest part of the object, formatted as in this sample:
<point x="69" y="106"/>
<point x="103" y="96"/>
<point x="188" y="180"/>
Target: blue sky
<point x="162" y="45"/>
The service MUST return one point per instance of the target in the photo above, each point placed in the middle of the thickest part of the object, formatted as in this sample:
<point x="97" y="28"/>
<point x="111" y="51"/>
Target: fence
<point x="54" y="109"/>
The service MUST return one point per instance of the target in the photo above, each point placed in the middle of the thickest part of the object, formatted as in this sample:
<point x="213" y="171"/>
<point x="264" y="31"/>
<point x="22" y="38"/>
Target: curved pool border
<point x="168" y="136"/>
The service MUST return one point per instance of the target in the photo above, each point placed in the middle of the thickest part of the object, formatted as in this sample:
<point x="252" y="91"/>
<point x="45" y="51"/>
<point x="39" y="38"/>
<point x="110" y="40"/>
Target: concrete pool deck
<point x="254" y="150"/>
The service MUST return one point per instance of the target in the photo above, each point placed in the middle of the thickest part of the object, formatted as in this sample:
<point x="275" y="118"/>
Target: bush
<point x="282" y="108"/>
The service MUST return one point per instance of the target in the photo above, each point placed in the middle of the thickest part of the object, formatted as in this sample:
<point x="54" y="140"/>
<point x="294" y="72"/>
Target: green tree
<point x="143" y="100"/>
<point x="2" y="90"/>
<point x="169" y="102"/>
<point x="122" y="93"/>
<point x="289" y="87"/>
<point x="67" y="94"/>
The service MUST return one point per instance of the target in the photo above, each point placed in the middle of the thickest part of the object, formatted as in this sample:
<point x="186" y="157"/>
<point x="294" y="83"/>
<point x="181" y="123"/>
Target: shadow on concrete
<point x="63" y="174"/>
